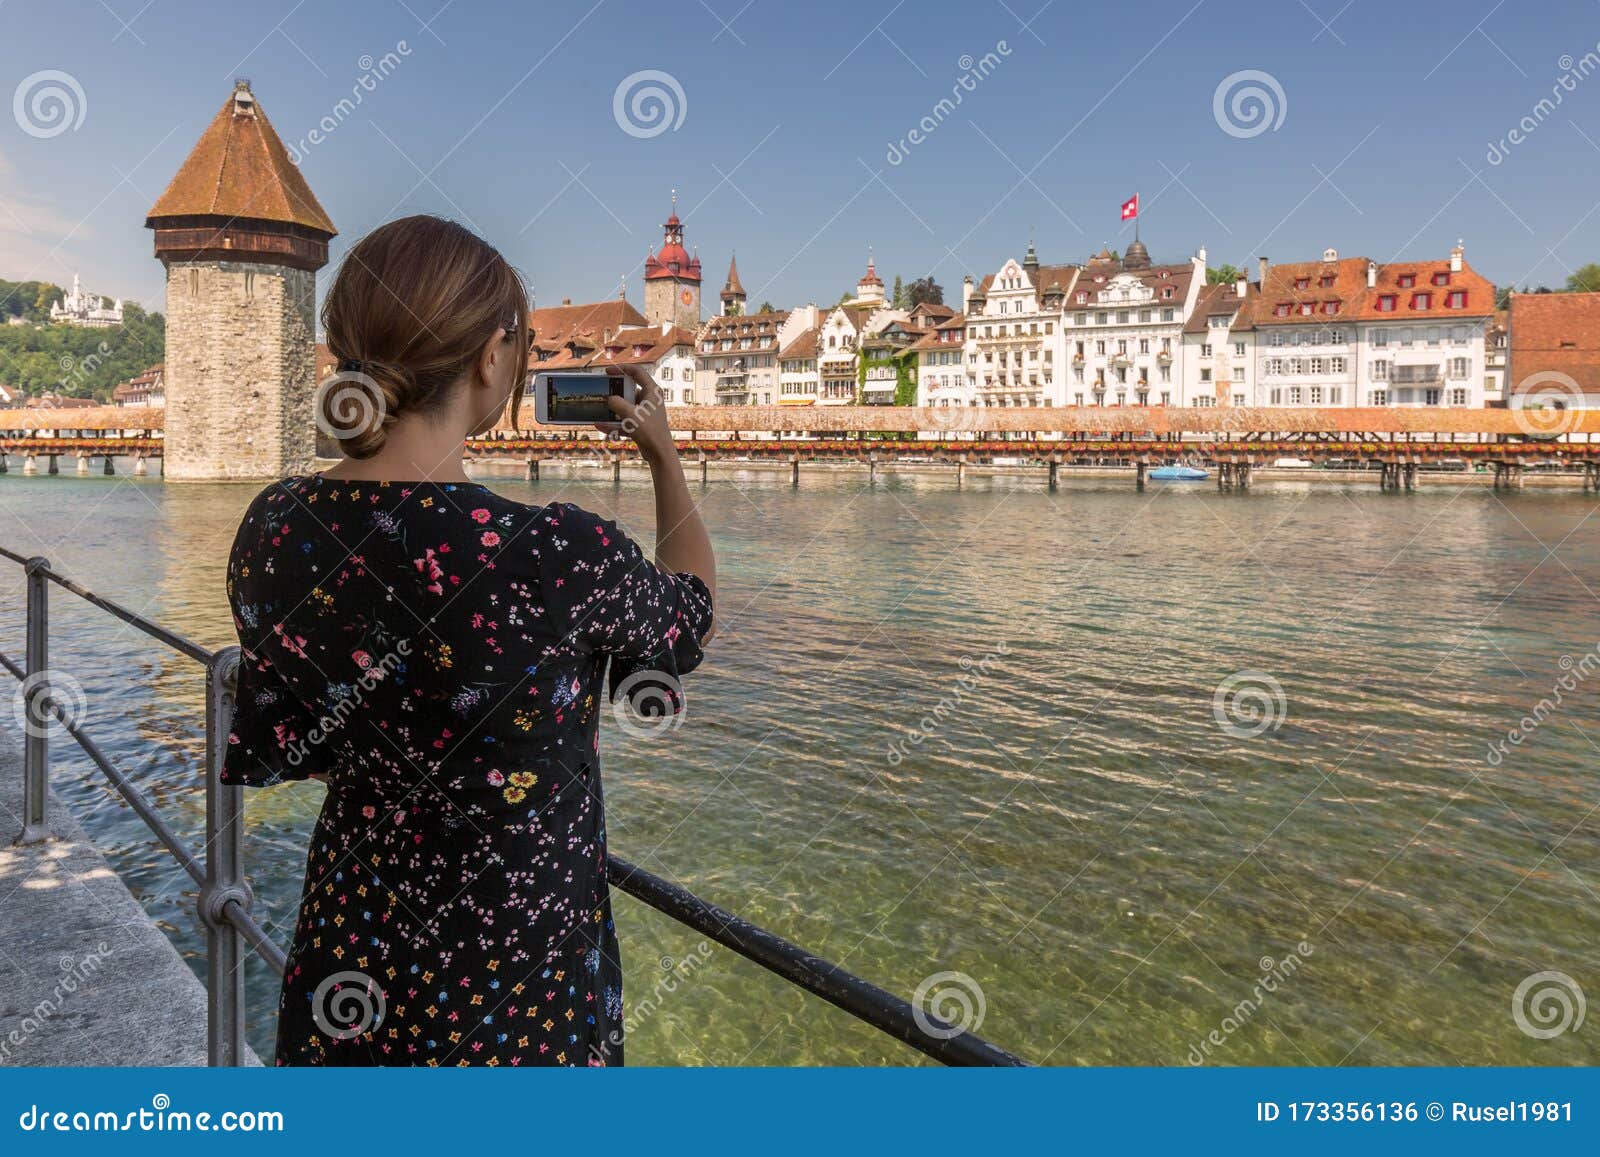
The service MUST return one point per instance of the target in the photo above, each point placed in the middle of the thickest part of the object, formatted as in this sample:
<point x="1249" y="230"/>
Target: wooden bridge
<point x="1396" y="442"/>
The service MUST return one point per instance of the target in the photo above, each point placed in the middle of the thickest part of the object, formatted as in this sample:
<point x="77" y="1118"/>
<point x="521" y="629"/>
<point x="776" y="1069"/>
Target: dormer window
<point x="1302" y="282"/>
<point x="1422" y="301"/>
<point x="1406" y="280"/>
<point x="1326" y="282"/>
<point x="1083" y="298"/>
<point x="1441" y="278"/>
<point x="1281" y="310"/>
<point x="1456" y="299"/>
<point x="1386" y="303"/>
<point x="1331" y="307"/>
<point x="1166" y="293"/>
<point x="1306" y="309"/>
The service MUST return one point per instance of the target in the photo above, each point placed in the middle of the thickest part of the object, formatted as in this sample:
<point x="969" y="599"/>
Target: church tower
<point x="672" y="279"/>
<point x="733" y="296"/>
<point x="241" y="236"/>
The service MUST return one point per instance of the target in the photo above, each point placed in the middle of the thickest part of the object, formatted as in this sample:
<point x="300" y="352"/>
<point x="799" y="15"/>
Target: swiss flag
<point x="1130" y="207"/>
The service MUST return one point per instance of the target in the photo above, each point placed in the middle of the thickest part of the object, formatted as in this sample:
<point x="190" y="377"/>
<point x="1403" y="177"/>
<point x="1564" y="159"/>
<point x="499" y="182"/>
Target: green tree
<point x="924" y="291"/>
<point x="1222" y="275"/>
<point x="898" y="298"/>
<point x="1585" y="280"/>
<point x="767" y="307"/>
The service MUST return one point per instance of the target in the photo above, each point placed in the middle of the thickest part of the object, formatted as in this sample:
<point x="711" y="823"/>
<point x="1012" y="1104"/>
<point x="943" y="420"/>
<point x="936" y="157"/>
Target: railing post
<point x="36" y="706"/>
<point x="224" y="886"/>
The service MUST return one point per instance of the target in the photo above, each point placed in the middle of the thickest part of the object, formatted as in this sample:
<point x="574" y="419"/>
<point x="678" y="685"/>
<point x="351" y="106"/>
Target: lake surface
<point x="979" y="732"/>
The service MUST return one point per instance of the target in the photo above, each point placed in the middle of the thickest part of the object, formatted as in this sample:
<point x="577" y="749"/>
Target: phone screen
<point x="579" y="399"/>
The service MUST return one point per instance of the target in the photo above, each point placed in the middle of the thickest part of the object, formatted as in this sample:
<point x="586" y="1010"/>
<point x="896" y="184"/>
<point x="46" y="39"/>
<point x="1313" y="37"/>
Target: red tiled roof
<point x="804" y="346"/>
<point x="240" y="170"/>
<point x="1224" y="299"/>
<point x="1408" y="299"/>
<point x="1555" y="333"/>
<point x="569" y="335"/>
<point x="1297" y="284"/>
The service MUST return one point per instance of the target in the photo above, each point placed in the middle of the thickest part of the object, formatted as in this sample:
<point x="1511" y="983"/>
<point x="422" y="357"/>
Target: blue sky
<point x="502" y="115"/>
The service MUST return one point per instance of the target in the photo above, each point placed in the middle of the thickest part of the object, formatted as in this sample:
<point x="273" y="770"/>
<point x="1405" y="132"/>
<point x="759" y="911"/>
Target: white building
<point x="1217" y="359"/>
<point x="88" y="310"/>
<point x="944" y="376"/>
<point x="1124" y="328"/>
<point x="736" y="363"/>
<point x="1014" y="339"/>
<point x="1421" y="326"/>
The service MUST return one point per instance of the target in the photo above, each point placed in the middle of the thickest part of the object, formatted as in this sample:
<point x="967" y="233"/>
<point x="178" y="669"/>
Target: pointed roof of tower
<point x="732" y="287"/>
<point x="240" y="170"/>
<point x="870" y="277"/>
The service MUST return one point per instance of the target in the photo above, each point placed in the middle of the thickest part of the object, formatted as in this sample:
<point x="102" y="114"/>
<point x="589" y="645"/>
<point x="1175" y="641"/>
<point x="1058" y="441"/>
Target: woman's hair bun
<point x="357" y="405"/>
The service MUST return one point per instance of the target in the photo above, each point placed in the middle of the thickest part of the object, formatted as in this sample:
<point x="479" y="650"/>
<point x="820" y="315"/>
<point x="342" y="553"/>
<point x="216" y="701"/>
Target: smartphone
<point x="577" y="397"/>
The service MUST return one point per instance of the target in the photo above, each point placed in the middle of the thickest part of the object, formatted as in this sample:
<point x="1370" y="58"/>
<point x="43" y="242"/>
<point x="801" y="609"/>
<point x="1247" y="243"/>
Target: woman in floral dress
<point x="435" y="653"/>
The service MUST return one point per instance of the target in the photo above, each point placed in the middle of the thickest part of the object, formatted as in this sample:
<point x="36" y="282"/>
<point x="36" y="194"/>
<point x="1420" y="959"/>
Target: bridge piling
<point x="961" y="472"/>
<point x="794" y="471"/>
<point x="53" y="464"/>
<point x="616" y="467"/>
<point x="29" y="465"/>
<point x="83" y="462"/>
<point x="139" y="468"/>
<point x="704" y="477"/>
<point x="110" y="467"/>
<point x="1140" y="467"/>
<point x="533" y="469"/>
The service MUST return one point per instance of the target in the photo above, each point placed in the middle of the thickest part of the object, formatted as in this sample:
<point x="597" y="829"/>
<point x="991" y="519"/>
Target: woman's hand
<point x="644" y="420"/>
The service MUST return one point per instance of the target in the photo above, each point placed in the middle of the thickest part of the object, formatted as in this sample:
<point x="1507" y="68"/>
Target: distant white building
<point x="1014" y="335"/>
<point x="88" y="310"/>
<point x="799" y="379"/>
<point x="143" y="391"/>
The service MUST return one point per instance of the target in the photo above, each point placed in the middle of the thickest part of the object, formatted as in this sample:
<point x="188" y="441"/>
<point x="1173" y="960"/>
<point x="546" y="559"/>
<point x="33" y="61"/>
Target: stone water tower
<point x="241" y="236"/>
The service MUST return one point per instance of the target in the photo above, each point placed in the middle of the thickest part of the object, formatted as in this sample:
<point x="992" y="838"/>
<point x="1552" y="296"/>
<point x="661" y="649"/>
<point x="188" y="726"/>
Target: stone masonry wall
<point x="240" y="371"/>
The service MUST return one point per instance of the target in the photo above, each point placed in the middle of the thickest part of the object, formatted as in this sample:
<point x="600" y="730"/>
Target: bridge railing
<point x="226" y="900"/>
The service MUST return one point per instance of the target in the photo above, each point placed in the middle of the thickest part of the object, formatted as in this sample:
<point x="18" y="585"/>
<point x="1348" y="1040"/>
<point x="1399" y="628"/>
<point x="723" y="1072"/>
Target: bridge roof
<point x="89" y="418"/>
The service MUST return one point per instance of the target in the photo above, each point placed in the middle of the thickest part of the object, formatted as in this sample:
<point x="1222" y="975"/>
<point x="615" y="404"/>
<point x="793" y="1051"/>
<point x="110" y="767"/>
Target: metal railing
<point x="225" y="898"/>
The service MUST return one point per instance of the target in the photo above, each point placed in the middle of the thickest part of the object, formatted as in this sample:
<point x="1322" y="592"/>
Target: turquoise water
<point x="977" y="733"/>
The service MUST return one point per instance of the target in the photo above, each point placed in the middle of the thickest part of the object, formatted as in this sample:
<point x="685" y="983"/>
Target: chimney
<point x="1200" y="256"/>
<point x="1261" y="271"/>
<point x="1241" y="285"/>
<point x="966" y="292"/>
<point x="1372" y="274"/>
<point x="1456" y="255"/>
<point x="566" y="301"/>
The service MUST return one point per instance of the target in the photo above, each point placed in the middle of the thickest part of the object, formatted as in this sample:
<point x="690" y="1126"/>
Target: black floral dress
<point x="437" y="652"/>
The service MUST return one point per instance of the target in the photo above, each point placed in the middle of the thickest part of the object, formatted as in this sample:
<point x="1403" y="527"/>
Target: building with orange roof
<point x="241" y="236"/>
<point x="672" y="278"/>
<point x="1554" y="359"/>
<point x="1015" y="332"/>
<point x="736" y="358"/>
<point x="942" y="370"/>
<point x="141" y="391"/>
<point x="799" y="377"/>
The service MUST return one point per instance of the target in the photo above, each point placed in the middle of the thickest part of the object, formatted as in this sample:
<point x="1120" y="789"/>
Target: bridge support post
<point x="1411" y="475"/>
<point x="5" y="467"/>
<point x="36" y="711"/>
<point x="1055" y="473"/>
<point x="961" y="472"/>
<point x="53" y="464"/>
<point x="1140" y="468"/>
<point x="616" y="467"/>
<point x="139" y="468"/>
<point x="794" y="471"/>
<point x="872" y="468"/>
<point x="29" y="464"/>
<point x="83" y="463"/>
<point x="110" y="468"/>
<point x="533" y="469"/>
<point x="704" y="477"/>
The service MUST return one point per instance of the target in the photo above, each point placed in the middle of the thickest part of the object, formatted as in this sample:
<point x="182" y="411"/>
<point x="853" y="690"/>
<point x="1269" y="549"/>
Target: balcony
<point x="1415" y="375"/>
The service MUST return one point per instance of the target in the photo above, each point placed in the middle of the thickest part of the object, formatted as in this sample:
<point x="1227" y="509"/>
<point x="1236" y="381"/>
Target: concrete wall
<point x="240" y="370"/>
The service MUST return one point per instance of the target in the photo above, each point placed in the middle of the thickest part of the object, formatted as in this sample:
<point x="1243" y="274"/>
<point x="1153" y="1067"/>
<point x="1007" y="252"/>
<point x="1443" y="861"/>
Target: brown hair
<point x="411" y="308"/>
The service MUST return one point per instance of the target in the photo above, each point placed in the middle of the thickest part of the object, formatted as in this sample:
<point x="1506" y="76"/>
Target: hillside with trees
<point x="38" y="357"/>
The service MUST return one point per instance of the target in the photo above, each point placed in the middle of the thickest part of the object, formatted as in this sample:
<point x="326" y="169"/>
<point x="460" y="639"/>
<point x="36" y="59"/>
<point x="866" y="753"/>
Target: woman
<point x="434" y="652"/>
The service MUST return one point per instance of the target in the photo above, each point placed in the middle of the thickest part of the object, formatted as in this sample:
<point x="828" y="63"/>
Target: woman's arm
<point x="682" y="543"/>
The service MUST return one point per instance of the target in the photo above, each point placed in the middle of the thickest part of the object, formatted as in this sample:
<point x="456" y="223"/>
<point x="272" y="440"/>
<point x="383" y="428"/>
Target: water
<point x="1071" y="827"/>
